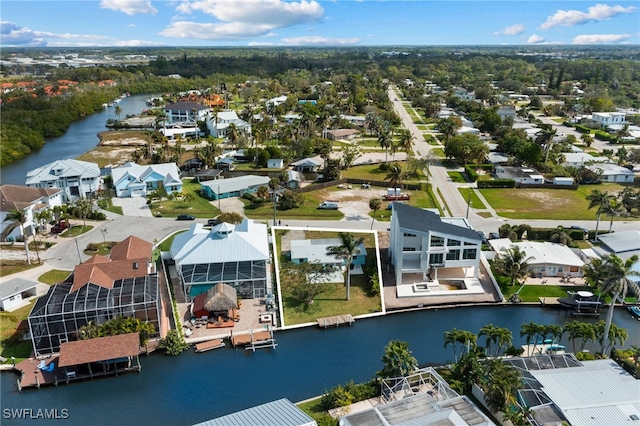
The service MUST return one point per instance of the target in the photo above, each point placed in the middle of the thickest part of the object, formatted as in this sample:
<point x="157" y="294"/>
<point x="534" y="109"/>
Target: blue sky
<point x="315" y="23"/>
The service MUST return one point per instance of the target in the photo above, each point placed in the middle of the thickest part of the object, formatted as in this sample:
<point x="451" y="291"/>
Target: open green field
<point x="198" y="206"/>
<point x="373" y="172"/>
<point x="308" y="211"/>
<point x="554" y="204"/>
<point x="476" y="203"/>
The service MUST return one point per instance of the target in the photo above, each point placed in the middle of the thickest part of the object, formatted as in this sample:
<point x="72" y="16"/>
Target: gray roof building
<point x="281" y="412"/>
<point x="621" y="242"/>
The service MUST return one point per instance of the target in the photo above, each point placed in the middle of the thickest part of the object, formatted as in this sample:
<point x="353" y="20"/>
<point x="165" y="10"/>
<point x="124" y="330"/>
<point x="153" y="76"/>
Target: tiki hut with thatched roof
<point x="220" y="299"/>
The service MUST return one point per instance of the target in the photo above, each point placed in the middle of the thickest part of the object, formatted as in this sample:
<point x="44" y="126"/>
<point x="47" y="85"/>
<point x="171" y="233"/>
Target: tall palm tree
<point x="20" y="216"/>
<point x="531" y="332"/>
<point x="385" y="140"/>
<point x="406" y="140"/>
<point x="348" y="248"/>
<point x="599" y="199"/>
<point x="395" y="176"/>
<point x="464" y="338"/>
<point x="617" y="282"/>
<point x="490" y="332"/>
<point x="514" y="263"/>
<point x="398" y="360"/>
<point x="612" y="209"/>
<point x="374" y="204"/>
<point x="545" y="138"/>
<point x="233" y="134"/>
<point x="587" y="139"/>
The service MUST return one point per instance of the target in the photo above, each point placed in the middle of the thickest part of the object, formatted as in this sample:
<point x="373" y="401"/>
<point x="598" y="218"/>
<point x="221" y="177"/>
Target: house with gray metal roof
<point x="236" y="255"/>
<point x="281" y="412"/>
<point x="423" y="247"/>
<point x="133" y="180"/>
<point x="233" y="187"/>
<point x="14" y="291"/>
<point x="76" y="179"/>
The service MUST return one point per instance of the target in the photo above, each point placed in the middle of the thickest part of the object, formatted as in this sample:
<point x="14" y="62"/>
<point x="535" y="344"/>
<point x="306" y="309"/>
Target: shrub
<point x="498" y="183"/>
<point x="173" y="344"/>
<point x="290" y="200"/>
<point x="603" y="136"/>
<point x="92" y="247"/>
<point x="473" y="175"/>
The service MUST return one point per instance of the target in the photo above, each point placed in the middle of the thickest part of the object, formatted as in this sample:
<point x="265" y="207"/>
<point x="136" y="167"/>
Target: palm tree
<point x="385" y="142"/>
<point x="374" y="204"/>
<point x="20" y="216"/>
<point x="397" y="360"/>
<point x="613" y="209"/>
<point x="561" y="236"/>
<point x="616" y="281"/>
<point x="406" y="140"/>
<point x="545" y="138"/>
<point x="348" y="248"/>
<point x="395" y="177"/>
<point x="233" y="134"/>
<point x="587" y="139"/>
<point x="598" y="199"/>
<point x="490" y="332"/>
<point x="462" y="337"/>
<point x="118" y="111"/>
<point x="513" y="262"/>
<point x="530" y="332"/>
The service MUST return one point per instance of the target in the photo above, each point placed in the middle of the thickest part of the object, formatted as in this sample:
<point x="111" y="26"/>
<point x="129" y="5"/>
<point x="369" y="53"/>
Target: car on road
<point x="212" y="222"/>
<point x="185" y="217"/>
<point x="60" y="227"/>
<point x="585" y="230"/>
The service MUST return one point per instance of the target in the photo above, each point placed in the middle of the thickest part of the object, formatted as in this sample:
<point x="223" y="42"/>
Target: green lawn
<point x="554" y="204"/>
<point x="457" y="177"/>
<point x="331" y="302"/>
<point x="107" y="204"/>
<point x="103" y="249"/>
<point x="532" y="293"/>
<point x="166" y="244"/>
<point x="372" y="172"/>
<point x="10" y="343"/>
<point x="54" y="276"/>
<point x="8" y="267"/>
<point x="308" y="211"/>
<point x="198" y="206"/>
<point x="438" y="152"/>
<point x="476" y="203"/>
<point x="76" y="230"/>
<point x="314" y="409"/>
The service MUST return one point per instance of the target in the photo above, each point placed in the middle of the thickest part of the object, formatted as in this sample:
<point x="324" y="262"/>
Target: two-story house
<point x="31" y="201"/>
<point x="133" y="180"/>
<point x="422" y="245"/>
<point x="219" y="123"/>
<point x="76" y="179"/>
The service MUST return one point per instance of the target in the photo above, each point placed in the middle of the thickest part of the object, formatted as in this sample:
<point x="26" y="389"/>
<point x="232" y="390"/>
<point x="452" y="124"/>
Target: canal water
<point x="79" y="138"/>
<point x="191" y="387"/>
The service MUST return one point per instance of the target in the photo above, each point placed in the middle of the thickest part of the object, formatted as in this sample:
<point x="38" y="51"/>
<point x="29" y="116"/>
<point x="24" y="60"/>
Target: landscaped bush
<point x="92" y="247"/>
<point x="350" y="393"/>
<point x="471" y="173"/>
<point x="497" y="183"/>
<point x="603" y="136"/>
<point x="582" y="129"/>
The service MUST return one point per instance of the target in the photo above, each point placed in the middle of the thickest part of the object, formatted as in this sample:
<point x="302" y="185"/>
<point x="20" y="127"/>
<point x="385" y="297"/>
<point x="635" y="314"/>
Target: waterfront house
<point x="99" y="289"/>
<point x="186" y="112"/>
<point x="423" y="246"/>
<point x="76" y="179"/>
<point x="281" y="412"/>
<point x="232" y="187"/>
<point x="236" y="255"/>
<point x="219" y="123"/>
<point x="623" y="244"/>
<point x="315" y="251"/>
<point x="133" y="180"/>
<point x="547" y="259"/>
<point x="31" y="201"/>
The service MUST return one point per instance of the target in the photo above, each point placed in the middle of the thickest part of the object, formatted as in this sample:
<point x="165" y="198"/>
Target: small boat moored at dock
<point x="583" y="303"/>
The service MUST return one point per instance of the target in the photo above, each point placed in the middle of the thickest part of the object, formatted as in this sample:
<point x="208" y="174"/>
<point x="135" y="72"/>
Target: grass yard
<point x="330" y="301"/>
<point x="554" y="204"/>
<point x="10" y="342"/>
<point x="476" y="202"/>
<point x="457" y="177"/>
<point x="314" y="409"/>
<point x="533" y="292"/>
<point x="103" y="249"/>
<point x="76" y="230"/>
<point x="373" y="172"/>
<point x="438" y="152"/>
<point x="166" y="244"/>
<point x="8" y="267"/>
<point x="107" y="204"/>
<point x="54" y="276"/>
<point x="198" y="206"/>
<point x="308" y="211"/>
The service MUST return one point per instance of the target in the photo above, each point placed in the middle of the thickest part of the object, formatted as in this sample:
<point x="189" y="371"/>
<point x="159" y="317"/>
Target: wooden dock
<point x="209" y="345"/>
<point x="254" y="339"/>
<point x="335" y="321"/>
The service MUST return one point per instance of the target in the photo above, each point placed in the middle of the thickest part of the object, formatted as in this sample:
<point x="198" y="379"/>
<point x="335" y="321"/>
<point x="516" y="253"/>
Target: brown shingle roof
<point x="99" y="349"/>
<point x="20" y="197"/>
<point x="128" y="260"/>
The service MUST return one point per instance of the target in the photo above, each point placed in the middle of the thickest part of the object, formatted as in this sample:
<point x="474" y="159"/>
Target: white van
<point x="328" y="205"/>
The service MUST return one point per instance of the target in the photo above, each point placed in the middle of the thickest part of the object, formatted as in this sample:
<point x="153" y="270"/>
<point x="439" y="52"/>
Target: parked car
<point x="60" y="227"/>
<point x="494" y="235"/>
<point x="328" y="205"/>
<point x="185" y="217"/>
<point x="212" y="222"/>
<point x="585" y="230"/>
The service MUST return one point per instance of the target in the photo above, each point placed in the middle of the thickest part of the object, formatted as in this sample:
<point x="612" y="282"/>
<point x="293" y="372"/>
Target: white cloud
<point x="243" y="18"/>
<point x="320" y="41"/>
<point x="535" y="39"/>
<point x="511" y="30"/>
<point x="599" y="12"/>
<point x="130" y="7"/>
<point x="599" y="38"/>
<point x="12" y="34"/>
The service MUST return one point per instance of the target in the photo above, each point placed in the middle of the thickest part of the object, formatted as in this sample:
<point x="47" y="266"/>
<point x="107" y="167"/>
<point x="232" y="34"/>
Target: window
<point x="408" y="249"/>
<point x="469" y="244"/>
<point x="453" y="255"/>
<point x="468" y="254"/>
<point x="406" y="234"/>
<point x="436" y="259"/>
<point x="453" y="242"/>
<point x="437" y="241"/>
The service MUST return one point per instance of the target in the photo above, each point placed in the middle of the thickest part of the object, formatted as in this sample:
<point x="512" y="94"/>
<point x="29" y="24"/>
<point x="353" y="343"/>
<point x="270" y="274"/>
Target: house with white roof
<point x="236" y="255"/>
<point x="547" y="259"/>
<point x="294" y="179"/>
<point x="519" y="174"/>
<point x="623" y="244"/>
<point x="233" y="187"/>
<point x="309" y="251"/>
<point x="219" y="123"/>
<point x="356" y="120"/>
<point x="133" y="180"/>
<point x="424" y="246"/>
<point x="605" y="119"/>
<point x="77" y="179"/>
<point x="15" y="292"/>
<point x="31" y="201"/>
<point x="579" y="159"/>
<point x="186" y="112"/>
<point x="613" y="173"/>
<point x="275" y="163"/>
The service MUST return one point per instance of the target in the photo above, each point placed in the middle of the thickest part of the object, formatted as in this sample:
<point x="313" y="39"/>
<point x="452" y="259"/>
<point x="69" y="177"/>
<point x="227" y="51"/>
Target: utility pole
<point x="468" y="202"/>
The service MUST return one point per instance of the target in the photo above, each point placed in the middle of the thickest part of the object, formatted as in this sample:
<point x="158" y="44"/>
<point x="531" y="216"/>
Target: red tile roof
<point x="99" y="349"/>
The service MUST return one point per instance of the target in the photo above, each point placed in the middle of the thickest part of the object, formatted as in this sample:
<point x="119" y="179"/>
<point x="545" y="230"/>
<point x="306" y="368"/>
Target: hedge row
<point x="470" y="169"/>
<point x="498" y="183"/>
<point x="603" y="136"/>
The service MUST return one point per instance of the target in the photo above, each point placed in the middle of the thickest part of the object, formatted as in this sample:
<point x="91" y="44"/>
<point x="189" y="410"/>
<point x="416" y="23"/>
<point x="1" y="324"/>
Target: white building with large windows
<point x="236" y="255"/>
<point x="76" y="179"/>
<point x="426" y="249"/>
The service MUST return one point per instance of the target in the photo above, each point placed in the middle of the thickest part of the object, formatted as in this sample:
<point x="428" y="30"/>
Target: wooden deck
<point x="335" y="321"/>
<point x="254" y="339"/>
<point x="209" y="345"/>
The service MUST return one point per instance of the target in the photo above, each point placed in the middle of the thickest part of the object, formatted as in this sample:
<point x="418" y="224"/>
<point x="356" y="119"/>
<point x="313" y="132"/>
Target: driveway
<point x="134" y="206"/>
<point x="230" y="205"/>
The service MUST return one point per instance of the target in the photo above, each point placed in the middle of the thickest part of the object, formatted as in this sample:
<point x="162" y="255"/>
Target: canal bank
<point x="192" y="387"/>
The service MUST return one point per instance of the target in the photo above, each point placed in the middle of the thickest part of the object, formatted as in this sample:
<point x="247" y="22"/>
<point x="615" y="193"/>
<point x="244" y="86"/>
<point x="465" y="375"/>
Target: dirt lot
<point x="354" y="202"/>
